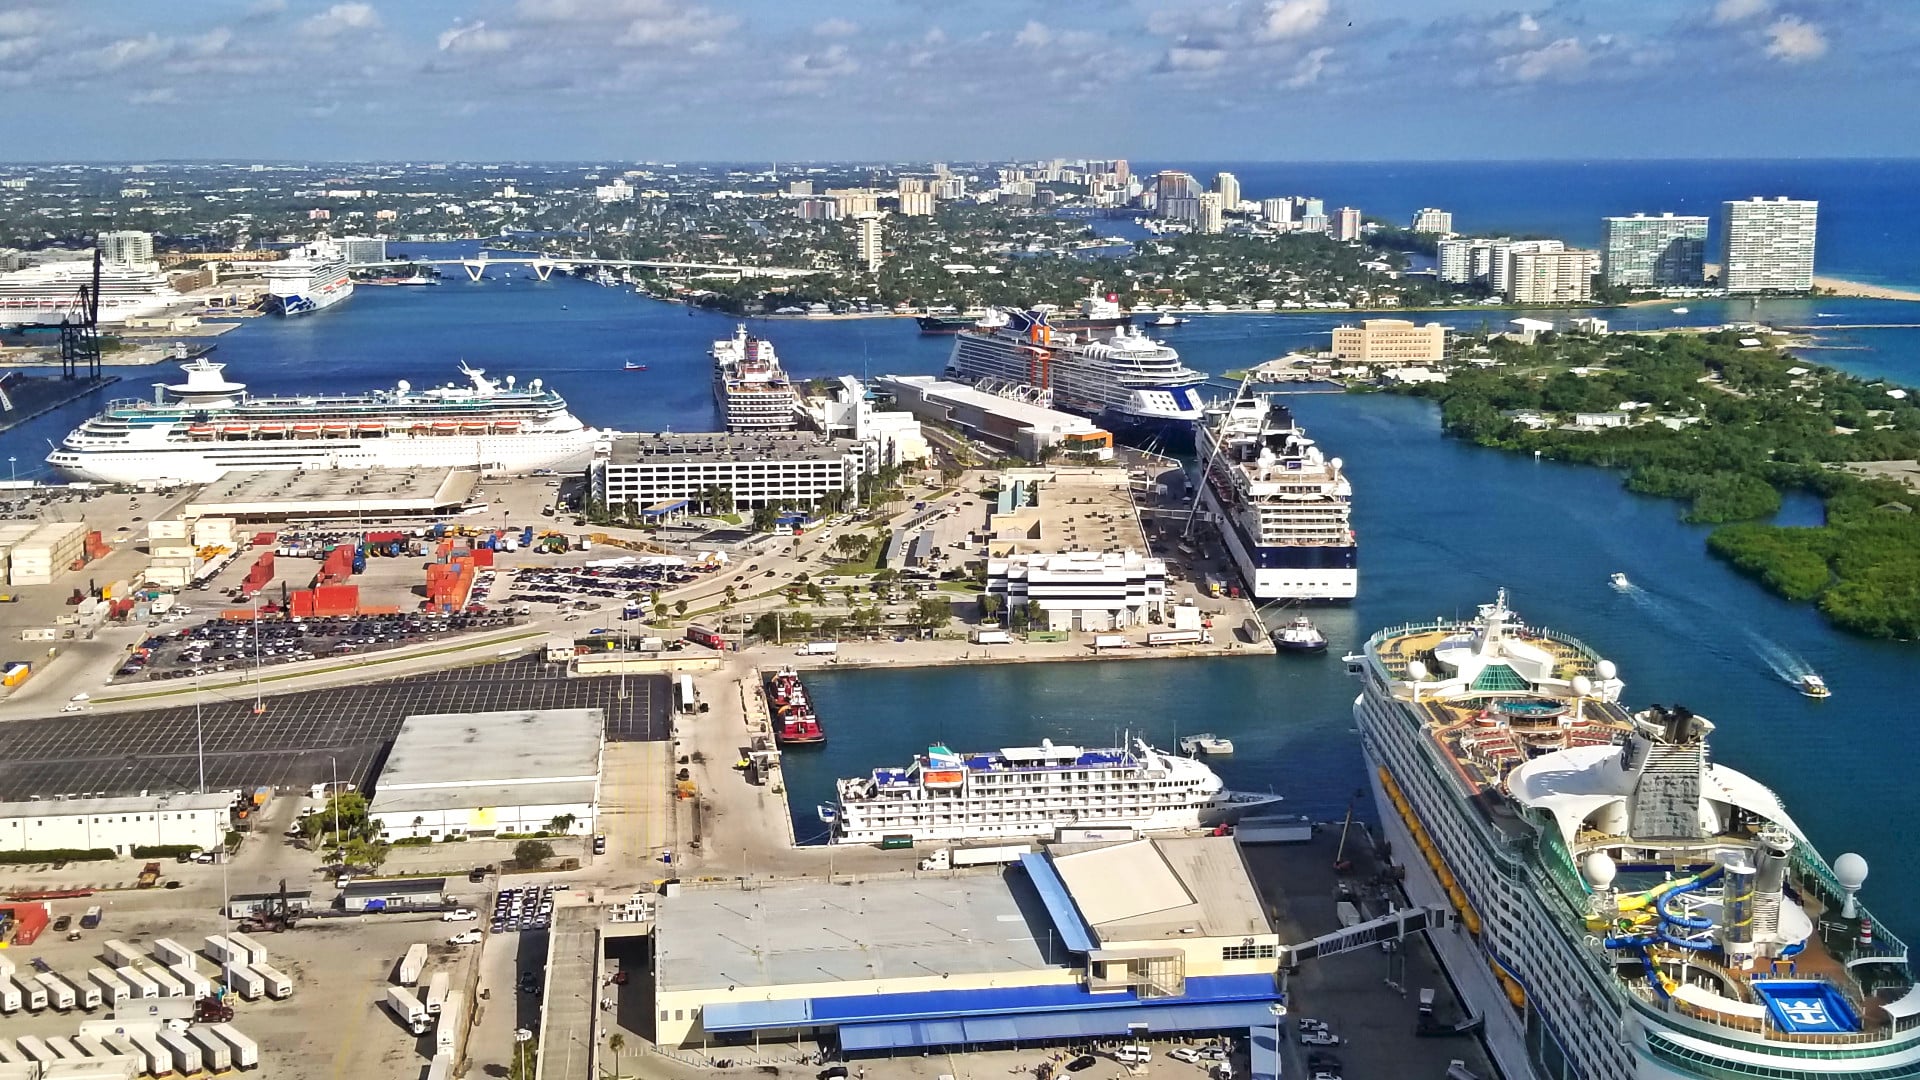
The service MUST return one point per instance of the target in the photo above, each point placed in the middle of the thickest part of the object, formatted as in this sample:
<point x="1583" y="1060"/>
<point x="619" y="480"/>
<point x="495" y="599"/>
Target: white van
<point x="1132" y="1054"/>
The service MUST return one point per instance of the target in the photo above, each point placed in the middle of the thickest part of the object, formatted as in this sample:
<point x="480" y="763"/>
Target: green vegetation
<point x="531" y="854"/>
<point x="56" y="855"/>
<point x="1726" y="429"/>
<point x="163" y="851"/>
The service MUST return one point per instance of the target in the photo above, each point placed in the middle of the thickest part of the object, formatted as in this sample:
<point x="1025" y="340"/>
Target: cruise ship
<point x="50" y="292"/>
<point x="1127" y="382"/>
<point x="748" y="384"/>
<point x="1283" y="507"/>
<point x="1035" y="791"/>
<point x="309" y="279"/>
<point x="1623" y="906"/>
<point x="196" y="431"/>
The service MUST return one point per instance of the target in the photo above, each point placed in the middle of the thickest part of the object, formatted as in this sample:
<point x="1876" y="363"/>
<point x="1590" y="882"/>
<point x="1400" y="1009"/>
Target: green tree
<point x="562" y="823"/>
<point x="731" y="594"/>
<point x="680" y="608"/>
<point x="363" y="853"/>
<point x="616" y="1043"/>
<point x="531" y="854"/>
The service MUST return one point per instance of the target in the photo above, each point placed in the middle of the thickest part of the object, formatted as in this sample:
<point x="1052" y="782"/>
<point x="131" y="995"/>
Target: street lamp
<point x="10" y="474"/>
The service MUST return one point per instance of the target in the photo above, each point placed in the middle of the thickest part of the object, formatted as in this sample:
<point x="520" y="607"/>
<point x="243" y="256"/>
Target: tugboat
<point x="794" y="723"/>
<point x="1814" y="686"/>
<point x="1300" y="635"/>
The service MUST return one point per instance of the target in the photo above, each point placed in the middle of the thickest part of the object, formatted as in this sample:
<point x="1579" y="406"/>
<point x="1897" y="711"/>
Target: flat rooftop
<point x="811" y="932"/>
<point x="1151" y="889"/>
<point x="1030" y="415"/>
<point x="283" y="493"/>
<point x="135" y="804"/>
<point x="704" y="447"/>
<point x="494" y="749"/>
<point x="1081" y="509"/>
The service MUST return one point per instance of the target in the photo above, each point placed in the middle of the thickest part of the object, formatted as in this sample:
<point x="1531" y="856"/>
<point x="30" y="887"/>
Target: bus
<point x="701" y="635"/>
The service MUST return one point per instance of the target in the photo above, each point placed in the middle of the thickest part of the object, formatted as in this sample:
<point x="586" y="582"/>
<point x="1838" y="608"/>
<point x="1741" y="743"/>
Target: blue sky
<point x="962" y="79"/>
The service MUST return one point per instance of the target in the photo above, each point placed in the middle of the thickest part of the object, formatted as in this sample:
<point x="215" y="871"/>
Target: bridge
<point x="544" y="266"/>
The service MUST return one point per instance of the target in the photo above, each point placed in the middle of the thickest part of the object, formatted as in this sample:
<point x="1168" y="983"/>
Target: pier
<point x="28" y="397"/>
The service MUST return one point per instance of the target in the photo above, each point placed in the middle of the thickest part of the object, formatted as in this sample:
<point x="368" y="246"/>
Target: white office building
<point x="885" y="438"/>
<point x="1500" y="254"/>
<point x="362" y="250"/>
<point x="1767" y="245"/>
<point x="755" y="470"/>
<point x="1208" y="209"/>
<point x="126" y="247"/>
<point x="1551" y="277"/>
<point x="1089" y="591"/>
<point x="483" y="774"/>
<point x="1277" y="211"/>
<point x="1431" y="220"/>
<point x="868" y="242"/>
<point x="118" y="824"/>
<point x="1347" y="223"/>
<point x="1648" y="251"/>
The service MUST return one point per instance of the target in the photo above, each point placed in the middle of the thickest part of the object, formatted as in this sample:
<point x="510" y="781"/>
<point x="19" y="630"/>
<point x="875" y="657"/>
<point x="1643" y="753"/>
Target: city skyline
<point x="569" y="80"/>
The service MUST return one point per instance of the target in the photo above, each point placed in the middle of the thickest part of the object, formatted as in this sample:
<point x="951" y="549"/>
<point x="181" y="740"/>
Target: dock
<point x="34" y="396"/>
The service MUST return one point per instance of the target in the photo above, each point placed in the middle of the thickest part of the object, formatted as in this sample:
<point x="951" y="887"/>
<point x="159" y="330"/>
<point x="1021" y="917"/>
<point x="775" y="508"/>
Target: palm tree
<point x="616" y="1043"/>
<point x="731" y="593"/>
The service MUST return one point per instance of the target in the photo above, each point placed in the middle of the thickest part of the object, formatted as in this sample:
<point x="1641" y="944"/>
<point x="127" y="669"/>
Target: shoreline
<point x="1861" y="290"/>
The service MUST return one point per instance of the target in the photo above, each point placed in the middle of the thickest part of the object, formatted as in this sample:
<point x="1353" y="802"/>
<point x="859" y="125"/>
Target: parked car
<point x="1184" y="1053"/>
<point x="1084" y="1061"/>
<point x="468" y="937"/>
<point x="460" y="915"/>
<point x="599" y="845"/>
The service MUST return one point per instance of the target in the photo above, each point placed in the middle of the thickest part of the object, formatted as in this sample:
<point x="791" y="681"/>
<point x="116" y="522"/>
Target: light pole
<point x="10" y="474"/>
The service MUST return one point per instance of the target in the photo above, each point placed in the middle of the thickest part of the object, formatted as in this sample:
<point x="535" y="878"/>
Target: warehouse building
<point x="755" y="470"/>
<point x="1079" y="943"/>
<point x="485" y="774"/>
<point x="120" y="825"/>
<point x="1089" y="591"/>
<point x="1020" y="427"/>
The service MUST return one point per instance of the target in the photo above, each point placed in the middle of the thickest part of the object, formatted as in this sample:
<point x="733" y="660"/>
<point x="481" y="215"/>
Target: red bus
<point x="700" y="635"/>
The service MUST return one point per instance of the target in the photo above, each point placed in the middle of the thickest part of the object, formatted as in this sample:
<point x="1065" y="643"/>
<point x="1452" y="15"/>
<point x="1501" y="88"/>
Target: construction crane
<point x="80" y="342"/>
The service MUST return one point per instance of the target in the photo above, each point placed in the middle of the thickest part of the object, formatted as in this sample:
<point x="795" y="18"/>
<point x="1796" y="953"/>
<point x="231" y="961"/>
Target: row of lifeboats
<point x="336" y="430"/>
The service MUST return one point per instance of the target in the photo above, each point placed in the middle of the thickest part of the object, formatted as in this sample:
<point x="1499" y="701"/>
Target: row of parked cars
<point x="518" y="909"/>
<point x="220" y="645"/>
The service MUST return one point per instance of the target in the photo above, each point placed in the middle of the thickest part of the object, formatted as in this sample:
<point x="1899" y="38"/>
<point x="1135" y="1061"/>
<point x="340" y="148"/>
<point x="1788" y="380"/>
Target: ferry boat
<point x="753" y="392"/>
<point x="309" y="279"/>
<point x="1625" y="906"/>
<point x="50" y="292"/>
<point x="1096" y="313"/>
<point x="1035" y="791"/>
<point x="1127" y="382"/>
<point x="794" y="721"/>
<point x="197" y="431"/>
<point x="1300" y="635"/>
<point x="1207" y="743"/>
<point x="1281" y="504"/>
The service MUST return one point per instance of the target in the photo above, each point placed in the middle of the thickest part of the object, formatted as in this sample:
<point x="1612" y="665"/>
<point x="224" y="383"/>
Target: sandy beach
<point x="1843" y="287"/>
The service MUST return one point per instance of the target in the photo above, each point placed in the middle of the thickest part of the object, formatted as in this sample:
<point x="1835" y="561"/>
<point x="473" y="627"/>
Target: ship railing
<point x="1667" y="1009"/>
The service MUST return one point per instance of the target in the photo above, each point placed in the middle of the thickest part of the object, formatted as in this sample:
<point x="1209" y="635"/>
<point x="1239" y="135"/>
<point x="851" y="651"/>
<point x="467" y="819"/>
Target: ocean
<point x="1441" y="525"/>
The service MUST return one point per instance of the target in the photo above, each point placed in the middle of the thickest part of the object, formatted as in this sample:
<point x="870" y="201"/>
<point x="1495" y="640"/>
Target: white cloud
<point x="1034" y="35"/>
<point x="832" y="61"/>
<point x="663" y="24"/>
<point x="474" y="38"/>
<point x="21" y="21"/>
<point x="1190" y="58"/>
<point x="1310" y="67"/>
<point x="1561" y="59"/>
<point x="1283" y="19"/>
<point x="20" y="46"/>
<point x="1733" y="11"/>
<point x="836" y="28"/>
<point x="118" y="54"/>
<point x="1795" y="40"/>
<point x="163" y="96"/>
<point x="341" y="19"/>
<point x="212" y="42"/>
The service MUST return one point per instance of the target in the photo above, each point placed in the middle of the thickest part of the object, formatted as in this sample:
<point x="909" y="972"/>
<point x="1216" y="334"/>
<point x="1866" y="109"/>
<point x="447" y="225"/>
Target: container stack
<point x="258" y="577"/>
<point x="325" y="601"/>
<point x="50" y="546"/>
<point x="450" y="582"/>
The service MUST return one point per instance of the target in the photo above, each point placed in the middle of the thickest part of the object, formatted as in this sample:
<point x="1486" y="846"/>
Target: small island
<point x="1726" y="421"/>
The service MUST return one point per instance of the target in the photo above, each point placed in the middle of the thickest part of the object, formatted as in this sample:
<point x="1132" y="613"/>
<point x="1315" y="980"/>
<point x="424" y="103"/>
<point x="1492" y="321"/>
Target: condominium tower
<point x="1228" y="187"/>
<point x="1766" y="245"/>
<point x="1430" y="220"/>
<point x="1664" y="250"/>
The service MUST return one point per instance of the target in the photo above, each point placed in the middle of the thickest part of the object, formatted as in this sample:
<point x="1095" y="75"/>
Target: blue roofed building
<point x="1074" y="943"/>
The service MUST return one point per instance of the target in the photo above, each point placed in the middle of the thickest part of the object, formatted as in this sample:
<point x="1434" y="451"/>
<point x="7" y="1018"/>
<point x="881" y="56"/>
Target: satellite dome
<point x="1337" y="463"/>
<point x="1851" y="870"/>
<point x="1417" y="671"/>
<point x="1606" y="670"/>
<point x="1582" y="686"/>
<point x="1599" y="870"/>
<point x="405" y="386"/>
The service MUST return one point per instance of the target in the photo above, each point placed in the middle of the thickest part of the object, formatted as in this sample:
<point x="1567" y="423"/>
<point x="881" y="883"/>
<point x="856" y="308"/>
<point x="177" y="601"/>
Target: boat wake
<point x="1782" y="661"/>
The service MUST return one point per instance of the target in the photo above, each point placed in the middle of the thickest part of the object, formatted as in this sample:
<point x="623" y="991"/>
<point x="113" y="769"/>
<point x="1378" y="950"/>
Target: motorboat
<point x="1619" y="581"/>
<point x="1205" y="743"/>
<point x="1166" y="319"/>
<point x="1814" y="686"/>
<point x="631" y="366"/>
<point x="828" y="813"/>
<point x="1300" y="635"/>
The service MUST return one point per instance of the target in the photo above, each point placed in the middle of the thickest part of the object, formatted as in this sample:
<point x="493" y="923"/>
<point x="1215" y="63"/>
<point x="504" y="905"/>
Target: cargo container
<point x="412" y="965"/>
<point x="186" y="1053"/>
<point x="245" y="981"/>
<point x="992" y="637"/>
<point x="171" y="985"/>
<point x="93" y="1046"/>
<point x="11" y="1000"/>
<point x="159" y="1056"/>
<point x="32" y="995"/>
<point x="214" y="1051"/>
<point x="65" y="1048"/>
<point x="139" y="986"/>
<point x="119" y="954"/>
<point x="440" y="1068"/>
<point x="220" y="950"/>
<point x="437" y="988"/>
<point x="112" y="990"/>
<point x="36" y="1049"/>
<point x="407" y="1009"/>
<point x="246" y="1052"/>
<point x="246" y="949"/>
<point x="450" y="1028"/>
<point x="170" y="952"/>
<point x="278" y="985"/>
<point x="198" y="985"/>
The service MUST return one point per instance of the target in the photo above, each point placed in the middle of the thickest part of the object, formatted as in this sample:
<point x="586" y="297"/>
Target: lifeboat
<point x="506" y="425"/>
<point x="272" y="429"/>
<point x="943" y="778"/>
<point x="201" y="431"/>
<point x="237" y="429"/>
<point x="375" y="427"/>
<point x="445" y="427"/>
<point x="473" y="429"/>
<point x="419" y="429"/>
<point x="306" y="429"/>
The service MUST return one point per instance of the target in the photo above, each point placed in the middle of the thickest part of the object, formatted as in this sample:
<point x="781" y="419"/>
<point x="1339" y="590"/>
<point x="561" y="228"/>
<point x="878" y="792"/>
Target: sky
<point x="917" y="80"/>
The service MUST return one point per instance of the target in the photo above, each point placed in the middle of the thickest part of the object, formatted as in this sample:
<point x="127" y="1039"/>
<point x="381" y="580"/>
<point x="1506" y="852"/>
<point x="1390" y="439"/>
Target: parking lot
<point x="223" y="645"/>
<point x="572" y="586"/>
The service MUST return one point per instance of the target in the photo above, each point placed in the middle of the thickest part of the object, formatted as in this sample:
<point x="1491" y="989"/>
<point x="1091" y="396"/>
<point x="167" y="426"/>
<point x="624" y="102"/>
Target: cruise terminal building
<point x="1071" y="944"/>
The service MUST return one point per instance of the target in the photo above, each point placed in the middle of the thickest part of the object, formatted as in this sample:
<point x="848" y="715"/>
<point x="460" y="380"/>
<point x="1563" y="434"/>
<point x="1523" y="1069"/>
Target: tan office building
<point x="1391" y="341"/>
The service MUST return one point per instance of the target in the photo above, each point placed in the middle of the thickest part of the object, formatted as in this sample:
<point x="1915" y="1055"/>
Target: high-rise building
<point x="1551" y="277"/>
<point x="1277" y="211"/>
<point x="1314" y="223"/>
<point x="854" y="200"/>
<point x="1208" y="212"/>
<point x="1766" y="245"/>
<point x="1453" y="263"/>
<point x="1430" y="220"/>
<point x="1346" y="224"/>
<point x="1500" y="253"/>
<point x="817" y="210"/>
<point x="952" y="187"/>
<point x="909" y="184"/>
<point x="1228" y="187"/>
<point x="1391" y="341"/>
<point x="867" y="241"/>
<point x="801" y="188"/>
<point x="126" y="247"/>
<point x="1180" y="208"/>
<point x="1121" y="173"/>
<point x="1664" y="250"/>
<point x="1313" y="207"/>
<point x="1175" y="185"/>
<point x="362" y="250"/>
<point x="916" y="203"/>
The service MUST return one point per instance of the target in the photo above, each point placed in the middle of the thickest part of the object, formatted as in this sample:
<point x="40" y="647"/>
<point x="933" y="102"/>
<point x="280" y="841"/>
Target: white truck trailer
<point x="245" y="981"/>
<point x="112" y="990"/>
<point x="246" y="1052"/>
<point x="279" y="986"/>
<point x="950" y="858"/>
<point x="213" y="1049"/>
<point x="412" y="966"/>
<point x="407" y="1009"/>
<point x="437" y="987"/>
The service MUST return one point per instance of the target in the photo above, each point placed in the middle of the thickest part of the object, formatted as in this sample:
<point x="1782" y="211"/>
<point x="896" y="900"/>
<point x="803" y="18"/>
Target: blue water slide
<point x="1692" y="922"/>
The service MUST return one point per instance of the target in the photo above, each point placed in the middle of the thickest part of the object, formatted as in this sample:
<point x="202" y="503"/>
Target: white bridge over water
<point x="476" y="266"/>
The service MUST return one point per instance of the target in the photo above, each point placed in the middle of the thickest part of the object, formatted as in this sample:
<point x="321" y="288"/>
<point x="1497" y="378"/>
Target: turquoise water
<point x="1441" y="525"/>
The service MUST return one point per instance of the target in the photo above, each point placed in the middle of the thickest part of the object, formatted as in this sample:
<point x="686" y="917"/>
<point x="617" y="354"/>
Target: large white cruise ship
<point x="1127" y="382"/>
<point x="196" y="431"/>
<point x="1035" y="791"/>
<point x="1626" y="907"/>
<point x="309" y="279"/>
<point x="1282" y="506"/>
<point x="50" y="291"/>
<point x="752" y="391"/>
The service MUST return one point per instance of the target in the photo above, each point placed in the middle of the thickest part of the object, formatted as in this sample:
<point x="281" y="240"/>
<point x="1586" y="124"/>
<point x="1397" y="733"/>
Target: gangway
<point x="1393" y="926"/>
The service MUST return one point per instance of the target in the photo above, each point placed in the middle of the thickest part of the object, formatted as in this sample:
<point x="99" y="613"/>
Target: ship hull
<point x="1230" y="807"/>
<point x="1141" y="427"/>
<point x="200" y="464"/>
<point x="1321" y="574"/>
<point x="306" y="303"/>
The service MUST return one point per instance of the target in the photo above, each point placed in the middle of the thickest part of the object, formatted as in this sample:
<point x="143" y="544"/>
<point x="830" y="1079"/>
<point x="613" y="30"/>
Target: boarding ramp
<point x="1393" y="926"/>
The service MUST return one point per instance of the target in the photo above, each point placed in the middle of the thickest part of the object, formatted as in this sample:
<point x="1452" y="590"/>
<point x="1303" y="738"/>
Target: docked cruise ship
<point x="1127" y="382"/>
<point x="748" y="384"/>
<point x="1283" y="507"/>
<point x="1625" y="906"/>
<point x="309" y="279"/>
<point x="1035" y="791"/>
<point x="50" y="292"/>
<point x="196" y="431"/>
